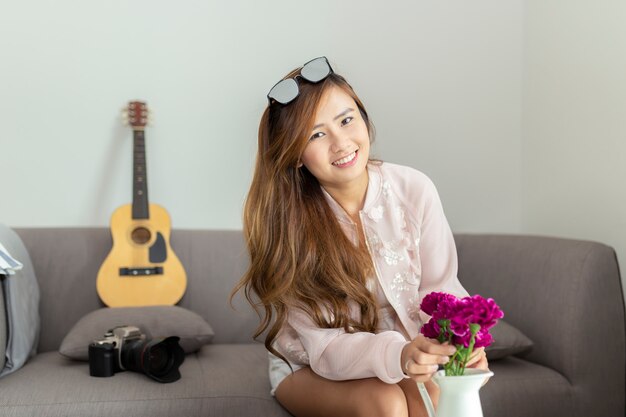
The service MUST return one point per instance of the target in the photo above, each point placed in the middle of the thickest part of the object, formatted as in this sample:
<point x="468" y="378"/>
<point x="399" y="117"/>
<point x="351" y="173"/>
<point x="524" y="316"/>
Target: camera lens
<point x="159" y="358"/>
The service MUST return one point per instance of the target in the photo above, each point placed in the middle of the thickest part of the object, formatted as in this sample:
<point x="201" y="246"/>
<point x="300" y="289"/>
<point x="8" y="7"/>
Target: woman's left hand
<point x="478" y="360"/>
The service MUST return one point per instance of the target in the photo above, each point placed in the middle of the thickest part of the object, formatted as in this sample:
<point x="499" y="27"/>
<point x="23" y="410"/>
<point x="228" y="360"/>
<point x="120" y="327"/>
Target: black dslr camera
<point x="126" y="348"/>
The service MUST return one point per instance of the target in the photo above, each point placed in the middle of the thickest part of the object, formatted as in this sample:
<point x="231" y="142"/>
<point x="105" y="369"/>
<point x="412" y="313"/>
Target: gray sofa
<point x="565" y="295"/>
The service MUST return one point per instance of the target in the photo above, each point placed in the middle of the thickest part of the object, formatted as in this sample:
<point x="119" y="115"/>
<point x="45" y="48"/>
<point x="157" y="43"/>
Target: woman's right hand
<point x="421" y="357"/>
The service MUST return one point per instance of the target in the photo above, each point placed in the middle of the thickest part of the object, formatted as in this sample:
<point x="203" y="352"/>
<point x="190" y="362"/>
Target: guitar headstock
<point x="136" y="115"/>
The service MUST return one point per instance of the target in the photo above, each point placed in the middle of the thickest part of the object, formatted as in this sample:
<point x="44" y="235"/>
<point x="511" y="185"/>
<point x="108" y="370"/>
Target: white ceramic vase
<point x="458" y="394"/>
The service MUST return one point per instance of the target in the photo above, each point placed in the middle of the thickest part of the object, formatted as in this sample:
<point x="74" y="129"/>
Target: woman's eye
<point x="346" y="120"/>
<point x="316" y="135"/>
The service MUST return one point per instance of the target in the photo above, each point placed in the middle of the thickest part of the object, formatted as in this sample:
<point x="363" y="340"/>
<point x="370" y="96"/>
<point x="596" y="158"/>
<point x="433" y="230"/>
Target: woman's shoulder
<point x="405" y="175"/>
<point x="413" y="187"/>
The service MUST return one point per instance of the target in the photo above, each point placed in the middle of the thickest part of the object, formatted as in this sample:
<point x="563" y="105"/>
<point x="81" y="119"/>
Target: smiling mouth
<point x="346" y="159"/>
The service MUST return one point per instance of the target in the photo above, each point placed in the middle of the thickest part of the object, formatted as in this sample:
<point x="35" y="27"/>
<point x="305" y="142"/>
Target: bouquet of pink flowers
<point x="462" y="322"/>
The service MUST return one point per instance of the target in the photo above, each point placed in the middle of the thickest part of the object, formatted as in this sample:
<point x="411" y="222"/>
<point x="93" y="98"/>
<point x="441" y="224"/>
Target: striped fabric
<point x="8" y="264"/>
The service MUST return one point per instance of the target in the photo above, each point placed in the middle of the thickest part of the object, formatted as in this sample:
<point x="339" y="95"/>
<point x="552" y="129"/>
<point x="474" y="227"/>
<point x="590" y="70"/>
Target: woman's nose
<point x="340" y="142"/>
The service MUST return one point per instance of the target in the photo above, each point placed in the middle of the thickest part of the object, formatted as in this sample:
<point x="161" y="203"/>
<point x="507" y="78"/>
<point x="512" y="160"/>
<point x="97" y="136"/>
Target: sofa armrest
<point x="565" y="295"/>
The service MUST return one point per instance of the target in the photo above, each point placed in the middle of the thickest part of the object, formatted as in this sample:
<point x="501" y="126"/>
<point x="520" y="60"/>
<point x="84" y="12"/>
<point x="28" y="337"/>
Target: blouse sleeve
<point x="437" y="249"/>
<point x="337" y="355"/>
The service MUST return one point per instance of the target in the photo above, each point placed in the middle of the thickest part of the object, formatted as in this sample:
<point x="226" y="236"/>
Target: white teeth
<point x="346" y="159"/>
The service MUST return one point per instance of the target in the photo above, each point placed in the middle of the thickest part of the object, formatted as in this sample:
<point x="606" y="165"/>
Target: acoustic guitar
<point x="141" y="269"/>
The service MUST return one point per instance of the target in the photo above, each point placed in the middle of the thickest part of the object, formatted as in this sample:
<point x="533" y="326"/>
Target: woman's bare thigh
<point x="306" y="394"/>
<point x="414" y="398"/>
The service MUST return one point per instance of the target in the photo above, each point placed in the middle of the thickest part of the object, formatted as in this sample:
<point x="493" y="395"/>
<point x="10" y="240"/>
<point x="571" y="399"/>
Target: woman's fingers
<point x="477" y="355"/>
<point x="427" y="351"/>
<point x="479" y="361"/>
<point x="433" y="347"/>
<point x="413" y="368"/>
<point x="424" y="355"/>
<point x="423" y="358"/>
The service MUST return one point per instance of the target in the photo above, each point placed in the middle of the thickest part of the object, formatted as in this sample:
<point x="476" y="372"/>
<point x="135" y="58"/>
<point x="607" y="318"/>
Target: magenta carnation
<point x="481" y="311"/>
<point x="463" y="322"/>
<point x="483" y="338"/>
<point x="459" y="327"/>
<point x="437" y="301"/>
<point x="431" y="329"/>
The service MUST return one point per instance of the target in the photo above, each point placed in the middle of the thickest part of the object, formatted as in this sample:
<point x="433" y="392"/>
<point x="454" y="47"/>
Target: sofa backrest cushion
<point x="67" y="261"/>
<point x="21" y="298"/>
<point x="563" y="294"/>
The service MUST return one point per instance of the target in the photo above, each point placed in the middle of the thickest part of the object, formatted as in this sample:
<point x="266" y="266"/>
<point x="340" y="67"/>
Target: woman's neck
<point x="351" y="197"/>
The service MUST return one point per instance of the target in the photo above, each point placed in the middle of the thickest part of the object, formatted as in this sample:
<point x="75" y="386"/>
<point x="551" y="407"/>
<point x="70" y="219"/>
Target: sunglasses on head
<point x="314" y="71"/>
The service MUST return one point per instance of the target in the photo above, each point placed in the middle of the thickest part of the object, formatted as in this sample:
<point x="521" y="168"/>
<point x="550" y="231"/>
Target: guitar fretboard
<point x="140" y="178"/>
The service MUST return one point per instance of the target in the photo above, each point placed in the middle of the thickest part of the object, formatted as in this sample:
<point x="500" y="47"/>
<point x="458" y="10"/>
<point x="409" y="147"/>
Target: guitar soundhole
<point x="140" y="235"/>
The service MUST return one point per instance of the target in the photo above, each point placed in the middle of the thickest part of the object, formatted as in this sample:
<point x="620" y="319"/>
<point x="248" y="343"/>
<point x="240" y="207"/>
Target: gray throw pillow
<point x="155" y="321"/>
<point x="507" y="340"/>
<point x="21" y="302"/>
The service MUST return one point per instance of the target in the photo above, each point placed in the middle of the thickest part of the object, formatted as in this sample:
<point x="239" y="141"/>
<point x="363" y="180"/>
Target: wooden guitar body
<point x="141" y="269"/>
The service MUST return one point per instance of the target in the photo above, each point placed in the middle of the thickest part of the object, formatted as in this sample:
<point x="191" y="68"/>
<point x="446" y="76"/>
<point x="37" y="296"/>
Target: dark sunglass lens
<point x="284" y="91"/>
<point x="316" y="70"/>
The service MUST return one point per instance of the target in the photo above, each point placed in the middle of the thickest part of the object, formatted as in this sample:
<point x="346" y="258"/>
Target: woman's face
<point x="339" y="143"/>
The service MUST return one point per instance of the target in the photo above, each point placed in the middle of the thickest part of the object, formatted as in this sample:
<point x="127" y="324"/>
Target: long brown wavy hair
<point x="299" y="255"/>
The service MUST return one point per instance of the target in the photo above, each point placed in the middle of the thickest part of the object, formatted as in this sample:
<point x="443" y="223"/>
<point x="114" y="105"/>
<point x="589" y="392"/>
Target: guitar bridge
<point x="135" y="272"/>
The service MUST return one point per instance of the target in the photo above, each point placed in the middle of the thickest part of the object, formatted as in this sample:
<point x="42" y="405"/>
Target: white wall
<point x="574" y="118"/>
<point x="442" y="81"/>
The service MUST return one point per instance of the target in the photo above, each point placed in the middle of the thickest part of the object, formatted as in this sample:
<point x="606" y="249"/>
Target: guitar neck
<point x="140" y="177"/>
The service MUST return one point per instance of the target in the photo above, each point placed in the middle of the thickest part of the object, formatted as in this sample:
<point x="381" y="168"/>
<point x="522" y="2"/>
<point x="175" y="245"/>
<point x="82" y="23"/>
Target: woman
<point x="342" y="250"/>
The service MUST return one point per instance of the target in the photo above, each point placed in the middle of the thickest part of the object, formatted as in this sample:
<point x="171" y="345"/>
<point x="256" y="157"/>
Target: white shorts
<point x="279" y="370"/>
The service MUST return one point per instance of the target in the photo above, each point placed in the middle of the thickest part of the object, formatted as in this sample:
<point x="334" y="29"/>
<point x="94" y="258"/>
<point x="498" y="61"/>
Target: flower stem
<point x="452" y="367"/>
<point x="474" y="328"/>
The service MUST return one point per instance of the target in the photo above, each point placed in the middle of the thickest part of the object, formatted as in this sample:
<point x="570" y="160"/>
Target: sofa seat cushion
<point x="232" y="380"/>
<point x="520" y="388"/>
<point x="217" y="380"/>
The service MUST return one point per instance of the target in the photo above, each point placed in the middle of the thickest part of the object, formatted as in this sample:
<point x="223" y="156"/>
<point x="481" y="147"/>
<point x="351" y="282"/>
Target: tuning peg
<point x="150" y="117"/>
